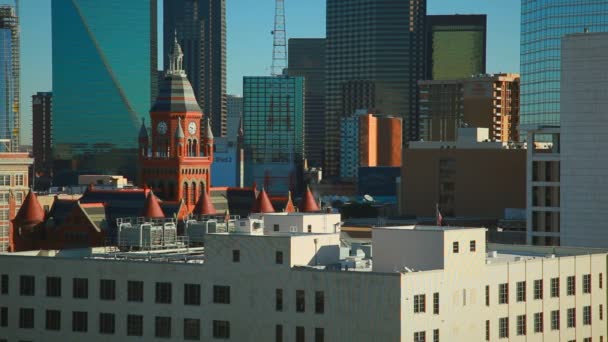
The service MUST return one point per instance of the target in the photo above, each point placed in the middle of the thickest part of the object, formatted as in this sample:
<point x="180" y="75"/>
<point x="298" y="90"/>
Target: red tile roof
<point x="152" y="208"/>
<point x="308" y="203"/>
<point x="262" y="204"/>
<point x="204" y="206"/>
<point x="289" y="207"/>
<point x="30" y="213"/>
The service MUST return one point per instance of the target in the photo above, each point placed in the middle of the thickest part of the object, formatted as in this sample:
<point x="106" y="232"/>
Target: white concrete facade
<point x="377" y="304"/>
<point x="584" y="136"/>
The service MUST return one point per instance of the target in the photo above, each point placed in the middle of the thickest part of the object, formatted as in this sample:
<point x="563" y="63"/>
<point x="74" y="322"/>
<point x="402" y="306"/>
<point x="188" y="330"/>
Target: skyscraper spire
<point x="176" y="59"/>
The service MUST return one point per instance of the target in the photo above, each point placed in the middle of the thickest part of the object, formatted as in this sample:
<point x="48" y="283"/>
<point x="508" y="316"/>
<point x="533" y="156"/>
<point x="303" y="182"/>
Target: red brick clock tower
<point x="175" y="158"/>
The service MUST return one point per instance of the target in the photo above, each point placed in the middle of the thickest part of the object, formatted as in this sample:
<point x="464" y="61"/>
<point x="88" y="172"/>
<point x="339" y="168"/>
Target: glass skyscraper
<point x="455" y="46"/>
<point x="273" y="120"/>
<point x="104" y="69"/>
<point x="543" y="24"/>
<point x="9" y="77"/>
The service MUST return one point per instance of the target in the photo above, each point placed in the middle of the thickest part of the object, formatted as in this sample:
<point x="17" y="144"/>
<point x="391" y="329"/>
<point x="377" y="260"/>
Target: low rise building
<point x="14" y="186"/>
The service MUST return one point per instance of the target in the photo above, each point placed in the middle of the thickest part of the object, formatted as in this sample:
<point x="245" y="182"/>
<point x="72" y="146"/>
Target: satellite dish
<point x="368" y="198"/>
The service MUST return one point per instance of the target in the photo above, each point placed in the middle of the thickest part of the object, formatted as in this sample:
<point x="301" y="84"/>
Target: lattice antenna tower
<point x="279" y="50"/>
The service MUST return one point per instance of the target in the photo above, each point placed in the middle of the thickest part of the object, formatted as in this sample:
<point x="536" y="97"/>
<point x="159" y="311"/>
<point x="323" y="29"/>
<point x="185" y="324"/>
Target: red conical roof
<point x="289" y="207"/>
<point x="262" y="204"/>
<point x="308" y="204"/>
<point x="204" y="206"/>
<point x="30" y="213"/>
<point x="152" y="208"/>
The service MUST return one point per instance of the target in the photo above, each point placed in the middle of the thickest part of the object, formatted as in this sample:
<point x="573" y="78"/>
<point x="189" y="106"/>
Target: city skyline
<point x="249" y="43"/>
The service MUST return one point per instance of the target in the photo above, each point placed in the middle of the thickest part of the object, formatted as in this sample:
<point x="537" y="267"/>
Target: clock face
<point x="192" y="128"/>
<point x="162" y="127"/>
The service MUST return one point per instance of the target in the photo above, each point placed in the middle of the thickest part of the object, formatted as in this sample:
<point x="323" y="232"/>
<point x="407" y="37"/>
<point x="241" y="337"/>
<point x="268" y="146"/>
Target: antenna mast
<point x="279" y="50"/>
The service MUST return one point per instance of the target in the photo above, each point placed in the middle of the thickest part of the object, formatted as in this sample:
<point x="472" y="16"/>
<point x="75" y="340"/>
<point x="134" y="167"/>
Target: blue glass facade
<point x="543" y="24"/>
<point x="104" y="68"/>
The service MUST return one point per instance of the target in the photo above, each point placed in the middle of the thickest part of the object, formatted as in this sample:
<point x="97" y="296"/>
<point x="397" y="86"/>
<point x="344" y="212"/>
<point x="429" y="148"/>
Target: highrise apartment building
<point x="234" y="116"/>
<point x="97" y="113"/>
<point x="455" y="46"/>
<point x="9" y="78"/>
<point x="543" y="24"/>
<point x="200" y="26"/>
<point x="380" y="42"/>
<point x="307" y="59"/>
<point x="42" y="108"/>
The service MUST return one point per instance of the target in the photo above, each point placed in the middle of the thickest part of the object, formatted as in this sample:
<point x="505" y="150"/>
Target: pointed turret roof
<point x="262" y="204"/>
<point x="289" y="207"/>
<point x="143" y="131"/>
<point x="204" y="205"/>
<point x="152" y="208"/>
<point x="209" y="133"/>
<point x="31" y="213"/>
<point x="308" y="204"/>
<point x="179" y="131"/>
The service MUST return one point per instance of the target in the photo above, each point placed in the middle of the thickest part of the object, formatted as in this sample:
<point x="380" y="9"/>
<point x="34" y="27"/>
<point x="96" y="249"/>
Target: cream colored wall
<point x="320" y="223"/>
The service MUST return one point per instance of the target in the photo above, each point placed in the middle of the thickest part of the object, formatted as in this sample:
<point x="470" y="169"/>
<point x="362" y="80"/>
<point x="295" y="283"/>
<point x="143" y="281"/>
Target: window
<point x="106" y="323"/>
<point x="192" y="294"/>
<point x="521" y="291"/>
<point x="538" y="322"/>
<point x="503" y="293"/>
<point x="5" y="180"/>
<point x="53" y="287"/>
<point x="27" y="285"/>
<point x="80" y="288"/>
<point x="3" y="316"/>
<point x="278" y="333"/>
<point x="309" y="228"/>
<point x="419" y="303"/>
<point x="221" y="294"/>
<point x="538" y="289"/>
<point x="319" y="334"/>
<point x="135" y="325"/>
<point x="464" y="297"/>
<point x="26" y="318"/>
<point x="162" y="327"/>
<point x="300" y="335"/>
<point x="278" y="295"/>
<point x="521" y="325"/>
<point x="586" y="315"/>
<point x="53" y="320"/>
<point x="436" y="335"/>
<point x="436" y="303"/>
<point x="79" y="321"/>
<point x="487" y="330"/>
<point x="19" y="179"/>
<point x="601" y="312"/>
<point x="554" y="287"/>
<point x="420" y="336"/>
<point x="588" y="339"/>
<point x="571" y="318"/>
<point x="221" y="329"/>
<point x="107" y="289"/>
<point x="18" y="198"/>
<point x="4" y="284"/>
<point x="319" y="302"/>
<point x="135" y="291"/>
<point x="587" y="283"/>
<point x="278" y="257"/>
<point x="503" y="327"/>
<point x="236" y="255"/>
<point x="555" y="320"/>
<point x="163" y="293"/>
<point x="487" y="295"/>
<point x="472" y="246"/>
<point x="571" y="283"/>
<point x="192" y="329"/>
<point x="275" y="227"/>
<point x="300" y="301"/>
<point x="600" y="280"/>
<point x="455" y="247"/>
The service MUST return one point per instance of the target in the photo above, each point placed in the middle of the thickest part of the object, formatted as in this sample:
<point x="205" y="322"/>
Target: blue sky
<point x="249" y="40"/>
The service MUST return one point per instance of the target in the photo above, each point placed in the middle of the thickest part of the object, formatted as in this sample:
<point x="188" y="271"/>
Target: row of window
<point x="521" y="329"/>
<point x="107" y="324"/>
<point x="301" y="301"/>
<point x="236" y="255"/>
<point x="503" y="289"/>
<point x="456" y="246"/>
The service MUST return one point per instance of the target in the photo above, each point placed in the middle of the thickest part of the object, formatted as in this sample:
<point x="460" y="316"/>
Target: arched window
<point x="194" y="193"/>
<point x="185" y="193"/>
<point x="194" y="148"/>
<point x="202" y="187"/>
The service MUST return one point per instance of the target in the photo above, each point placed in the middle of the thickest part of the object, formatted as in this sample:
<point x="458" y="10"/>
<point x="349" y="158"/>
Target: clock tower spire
<point x="174" y="165"/>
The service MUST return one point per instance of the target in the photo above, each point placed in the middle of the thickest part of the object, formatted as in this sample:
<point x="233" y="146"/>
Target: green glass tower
<point x="455" y="46"/>
<point x="273" y="120"/>
<point x="104" y="69"/>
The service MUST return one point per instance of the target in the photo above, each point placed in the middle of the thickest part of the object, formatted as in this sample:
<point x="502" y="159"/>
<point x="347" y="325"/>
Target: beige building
<point x="470" y="177"/>
<point x="252" y="283"/>
<point x="485" y="101"/>
<point x="14" y="183"/>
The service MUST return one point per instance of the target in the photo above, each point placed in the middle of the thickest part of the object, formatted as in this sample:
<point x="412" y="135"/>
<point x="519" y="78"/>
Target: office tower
<point x="307" y="58"/>
<point x="104" y="65"/>
<point x="234" y="117"/>
<point x="9" y="78"/>
<point x="543" y="24"/>
<point x="484" y="101"/>
<point x="201" y="30"/>
<point x="42" y="108"/>
<point x="273" y="110"/>
<point x="380" y="42"/>
<point x="455" y="46"/>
